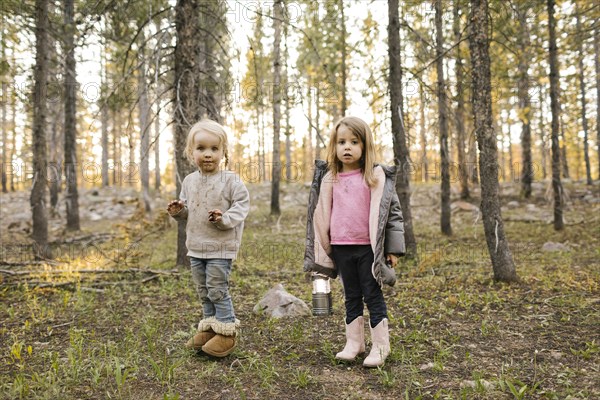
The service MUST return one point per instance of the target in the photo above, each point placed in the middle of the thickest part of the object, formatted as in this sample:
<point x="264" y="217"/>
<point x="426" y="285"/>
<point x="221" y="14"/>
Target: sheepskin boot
<point x="224" y="341"/>
<point x="203" y="335"/>
<point x="355" y="340"/>
<point x="380" y="335"/>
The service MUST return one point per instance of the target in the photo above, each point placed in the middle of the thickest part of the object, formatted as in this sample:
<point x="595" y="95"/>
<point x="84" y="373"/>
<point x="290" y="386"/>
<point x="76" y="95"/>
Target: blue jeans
<point x="211" y="278"/>
<point x="354" y="264"/>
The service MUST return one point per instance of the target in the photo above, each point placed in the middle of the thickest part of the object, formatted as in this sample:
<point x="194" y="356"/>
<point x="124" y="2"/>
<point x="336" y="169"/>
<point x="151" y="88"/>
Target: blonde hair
<point x="210" y="126"/>
<point x="367" y="161"/>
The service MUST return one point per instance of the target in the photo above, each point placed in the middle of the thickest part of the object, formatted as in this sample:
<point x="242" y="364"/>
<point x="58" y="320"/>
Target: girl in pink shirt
<point x="355" y="229"/>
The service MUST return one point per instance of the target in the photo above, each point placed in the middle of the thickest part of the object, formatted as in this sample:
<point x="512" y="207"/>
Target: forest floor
<point x="108" y="318"/>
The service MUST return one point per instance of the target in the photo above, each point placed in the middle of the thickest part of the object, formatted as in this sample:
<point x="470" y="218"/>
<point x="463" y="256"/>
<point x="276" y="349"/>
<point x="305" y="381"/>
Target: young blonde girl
<point x="355" y="229"/>
<point x="215" y="203"/>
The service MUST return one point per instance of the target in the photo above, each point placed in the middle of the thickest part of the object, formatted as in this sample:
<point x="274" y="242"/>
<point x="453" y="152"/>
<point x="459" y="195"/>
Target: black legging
<point x="354" y="263"/>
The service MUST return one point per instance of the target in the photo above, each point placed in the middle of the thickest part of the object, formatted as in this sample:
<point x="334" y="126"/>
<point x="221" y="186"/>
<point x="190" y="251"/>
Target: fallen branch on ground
<point x="92" y="271"/>
<point x="93" y="286"/>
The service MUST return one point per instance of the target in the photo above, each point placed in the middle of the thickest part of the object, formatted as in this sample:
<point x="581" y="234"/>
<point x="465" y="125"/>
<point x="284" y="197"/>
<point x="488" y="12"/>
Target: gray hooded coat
<point x="386" y="226"/>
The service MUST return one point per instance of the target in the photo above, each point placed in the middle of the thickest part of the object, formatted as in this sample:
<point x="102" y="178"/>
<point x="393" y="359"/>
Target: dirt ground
<point x="108" y="317"/>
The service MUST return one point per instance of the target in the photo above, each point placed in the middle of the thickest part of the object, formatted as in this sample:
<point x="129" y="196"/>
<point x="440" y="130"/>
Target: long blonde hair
<point x="367" y="161"/>
<point x="210" y="126"/>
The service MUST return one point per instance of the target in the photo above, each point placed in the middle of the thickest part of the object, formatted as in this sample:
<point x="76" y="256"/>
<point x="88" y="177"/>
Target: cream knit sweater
<point x="201" y="193"/>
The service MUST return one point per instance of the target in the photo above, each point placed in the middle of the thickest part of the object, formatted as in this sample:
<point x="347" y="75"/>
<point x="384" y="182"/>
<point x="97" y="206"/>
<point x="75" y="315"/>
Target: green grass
<point x="455" y="333"/>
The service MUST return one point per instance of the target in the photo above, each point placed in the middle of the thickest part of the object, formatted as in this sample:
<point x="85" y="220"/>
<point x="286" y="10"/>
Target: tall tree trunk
<point x="510" y="146"/>
<point x="459" y="114"/>
<point x="288" y="130"/>
<point x="186" y="89"/>
<point x="38" y="189"/>
<point x="343" y="39"/>
<point x="310" y="151"/>
<point x="132" y="168"/>
<point x="445" y="220"/>
<point x="4" y="100"/>
<point x="157" y="180"/>
<point x="401" y="154"/>
<point x="4" y="132"/>
<point x="104" y="116"/>
<point x="564" y="162"/>
<point x="597" y="68"/>
<point x="13" y="124"/>
<point x="501" y="257"/>
<point x="276" y="167"/>
<point x="544" y="147"/>
<point x="424" y="161"/>
<point x="554" y="108"/>
<point x="473" y="160"/>
<point x="72" y="196"/>
<point x="211" y="22"/>
<point x="116" y="128"/>
<point x="584" y="122"/>
<point x="317" y="124"/>
<point x="144" y="115"/>
<point x="55" y="178"/>
<point x="262" y="145"/>
<point x="157" y="100"/>
<point x="524" y="112"/>
<point x="56" y="119"/>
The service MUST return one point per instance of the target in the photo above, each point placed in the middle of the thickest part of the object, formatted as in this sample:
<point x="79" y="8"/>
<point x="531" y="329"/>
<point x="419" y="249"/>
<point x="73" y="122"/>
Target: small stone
<point x="531" y="207"/>
<point x="513" y="204"/>
<point x="553" y="246"/>
<point x="473" y="384"/>
<point x="463" y="206"/>
<point x="427" y="366"/>
<point x="557" y="355"/>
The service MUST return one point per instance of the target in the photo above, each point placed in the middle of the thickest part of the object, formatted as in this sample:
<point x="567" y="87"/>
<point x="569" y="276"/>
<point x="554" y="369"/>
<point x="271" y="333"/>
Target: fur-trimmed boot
<point x="204" y="334"/>
<point x="355" y="340"/>
<point x="224" y="341"/>
<point x="380" y="335"/>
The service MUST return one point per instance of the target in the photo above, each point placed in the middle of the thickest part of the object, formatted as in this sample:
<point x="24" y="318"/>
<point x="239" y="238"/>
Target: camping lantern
<point x="321" y="296"/>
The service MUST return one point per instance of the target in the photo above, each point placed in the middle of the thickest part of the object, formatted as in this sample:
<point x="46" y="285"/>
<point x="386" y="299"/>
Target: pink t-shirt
<point x="350" y="210"/>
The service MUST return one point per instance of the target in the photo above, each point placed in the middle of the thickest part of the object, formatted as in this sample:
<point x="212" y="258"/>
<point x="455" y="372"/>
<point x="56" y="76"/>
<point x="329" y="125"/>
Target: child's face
<point x="349" y="149"/>
<point x="207" y="152"/>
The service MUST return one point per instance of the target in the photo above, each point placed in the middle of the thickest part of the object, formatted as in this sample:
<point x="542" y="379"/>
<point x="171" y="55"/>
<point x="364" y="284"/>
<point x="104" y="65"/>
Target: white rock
<point x="278" y="303"/>
<point x="553" y="246"/>
<point x="427" y="366"/>
<point x="473" y="384"/>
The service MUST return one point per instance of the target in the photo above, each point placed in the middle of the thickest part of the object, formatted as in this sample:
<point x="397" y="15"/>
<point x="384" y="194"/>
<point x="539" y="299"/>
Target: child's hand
<point x="391" y="259"/>
<point x="215" y="215"/>
<point x="175" y="206"/>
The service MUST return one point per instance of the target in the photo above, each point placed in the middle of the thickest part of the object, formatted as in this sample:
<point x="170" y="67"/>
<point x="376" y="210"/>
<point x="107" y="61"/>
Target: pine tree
<point x="584" y="121"/>
<point x="38" y="189"/>
<point x="186" y="89"/>
<point x="524" y="110"/>
<point x="554" y="107"/>
<point x="445" y="221"/>
<point x="597" y="69"/>
<point x="401" y="154"/>
<point x="460" y="106"/>
<point x="72" y="195"/>
<point x="500" y="254"/>
<point x="276" y="167"/>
